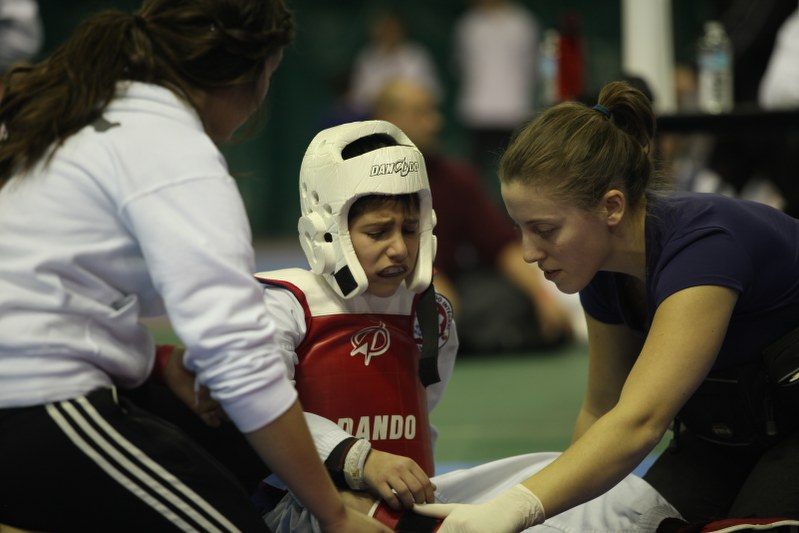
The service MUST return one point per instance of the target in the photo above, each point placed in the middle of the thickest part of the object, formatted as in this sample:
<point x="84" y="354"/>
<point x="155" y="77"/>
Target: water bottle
<point x="548" y="69"/>
<point x="715" y="70"/>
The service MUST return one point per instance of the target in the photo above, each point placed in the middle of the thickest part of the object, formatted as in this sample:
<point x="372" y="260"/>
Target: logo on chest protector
<point x="371" y="342"/>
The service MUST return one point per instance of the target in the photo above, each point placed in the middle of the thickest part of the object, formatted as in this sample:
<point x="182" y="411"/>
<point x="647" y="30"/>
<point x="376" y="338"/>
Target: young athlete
<point x="116" y="204"/>
<point x="691" y="301"/>
<point x="370" y="345"/>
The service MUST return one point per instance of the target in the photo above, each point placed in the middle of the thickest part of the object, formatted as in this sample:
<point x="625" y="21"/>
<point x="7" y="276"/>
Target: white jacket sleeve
<point x="213" y="301"/>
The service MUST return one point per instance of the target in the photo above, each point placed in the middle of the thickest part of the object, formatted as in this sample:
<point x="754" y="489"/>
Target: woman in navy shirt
<point x="683" y="293"/>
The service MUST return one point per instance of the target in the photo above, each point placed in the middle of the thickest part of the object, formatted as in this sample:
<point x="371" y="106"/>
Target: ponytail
<point x="578" y="153"/>
<point x="630" y="111"/>
<point x="46" y="103"/>
<point x="184" y="45"/>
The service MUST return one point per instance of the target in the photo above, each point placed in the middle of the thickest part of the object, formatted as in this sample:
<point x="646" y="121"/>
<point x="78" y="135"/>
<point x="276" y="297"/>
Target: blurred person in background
<point x="779" y="87"/>
<point x="496" y="56"/>
<point x="21" y="32"/>
<point x="389" y="54"/>
<point x="501" y="303"/>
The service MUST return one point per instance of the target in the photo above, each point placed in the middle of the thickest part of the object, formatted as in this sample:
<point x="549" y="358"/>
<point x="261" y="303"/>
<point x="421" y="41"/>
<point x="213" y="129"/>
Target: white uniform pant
<point x="632" y="506"/>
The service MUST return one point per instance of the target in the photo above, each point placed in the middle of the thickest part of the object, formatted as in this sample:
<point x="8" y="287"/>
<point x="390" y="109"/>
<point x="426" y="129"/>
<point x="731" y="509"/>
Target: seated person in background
<point x="371" y="346"/>
<point x="501" y="302"/>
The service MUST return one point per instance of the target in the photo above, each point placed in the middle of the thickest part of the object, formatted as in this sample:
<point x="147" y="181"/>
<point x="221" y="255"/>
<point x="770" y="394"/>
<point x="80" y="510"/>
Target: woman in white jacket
<point x="116" y="205"/>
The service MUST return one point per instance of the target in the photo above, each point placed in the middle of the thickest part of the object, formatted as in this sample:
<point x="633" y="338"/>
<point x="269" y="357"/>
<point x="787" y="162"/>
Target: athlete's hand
<point x="181" y="382"/>
<point x="511" y="511"/>
<point x="355" y="522"/>
<point x="208" y="408"/>
<point x="397" y="480"/>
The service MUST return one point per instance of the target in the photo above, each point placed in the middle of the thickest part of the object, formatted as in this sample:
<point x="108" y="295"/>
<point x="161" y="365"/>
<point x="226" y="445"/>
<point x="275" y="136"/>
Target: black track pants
<point x="98" y="463"/>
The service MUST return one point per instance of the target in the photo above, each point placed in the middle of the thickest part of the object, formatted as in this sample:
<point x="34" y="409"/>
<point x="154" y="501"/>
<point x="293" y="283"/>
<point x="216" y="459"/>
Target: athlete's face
<point x="386" y="242"/>
<point x="569" y="244"/>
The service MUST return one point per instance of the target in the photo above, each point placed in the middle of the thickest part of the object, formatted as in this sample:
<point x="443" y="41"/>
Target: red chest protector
<point x="360" y="368"/>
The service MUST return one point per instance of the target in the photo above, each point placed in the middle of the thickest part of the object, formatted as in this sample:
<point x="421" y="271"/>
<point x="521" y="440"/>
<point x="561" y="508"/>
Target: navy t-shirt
<point x="706" y="239"/>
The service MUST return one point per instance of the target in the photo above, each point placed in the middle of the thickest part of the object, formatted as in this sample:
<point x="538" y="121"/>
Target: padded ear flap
<point x="422" y="274"/>
<point x="320" y="254"/>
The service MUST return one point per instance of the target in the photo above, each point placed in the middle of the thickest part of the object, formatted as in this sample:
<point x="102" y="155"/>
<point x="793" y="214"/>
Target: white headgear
<point x="330" y="184"/>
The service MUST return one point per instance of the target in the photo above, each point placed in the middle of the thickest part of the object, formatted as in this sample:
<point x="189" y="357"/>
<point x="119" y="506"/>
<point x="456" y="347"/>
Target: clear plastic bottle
<point x="714" y="60"/>
<point x="548" y="69"/>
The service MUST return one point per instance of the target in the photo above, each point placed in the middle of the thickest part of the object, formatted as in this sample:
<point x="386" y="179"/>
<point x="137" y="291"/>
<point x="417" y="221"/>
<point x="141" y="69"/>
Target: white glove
<point x="513" y="510"/>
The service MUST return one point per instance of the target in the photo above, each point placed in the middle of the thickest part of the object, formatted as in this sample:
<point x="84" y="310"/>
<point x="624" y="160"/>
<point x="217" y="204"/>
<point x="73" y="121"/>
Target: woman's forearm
<point x="606" y="452"/>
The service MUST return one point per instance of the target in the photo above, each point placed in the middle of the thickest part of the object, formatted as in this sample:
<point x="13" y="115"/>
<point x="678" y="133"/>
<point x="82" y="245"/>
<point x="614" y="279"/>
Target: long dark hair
<point x="184" y="45"/>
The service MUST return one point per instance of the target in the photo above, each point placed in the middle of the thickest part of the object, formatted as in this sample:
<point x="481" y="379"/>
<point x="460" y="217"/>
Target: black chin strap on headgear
<point x="427" y="314"/>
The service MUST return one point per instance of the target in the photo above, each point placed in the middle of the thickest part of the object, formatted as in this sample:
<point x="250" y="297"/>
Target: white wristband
<point x="353" y="464"/>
